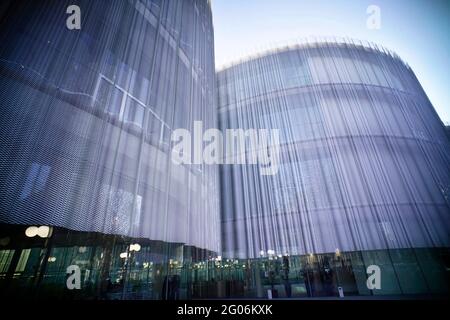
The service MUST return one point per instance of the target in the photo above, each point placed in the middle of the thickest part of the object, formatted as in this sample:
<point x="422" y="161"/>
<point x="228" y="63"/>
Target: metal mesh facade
<point x="87" y="117"/>
<point x="364" y="157"/>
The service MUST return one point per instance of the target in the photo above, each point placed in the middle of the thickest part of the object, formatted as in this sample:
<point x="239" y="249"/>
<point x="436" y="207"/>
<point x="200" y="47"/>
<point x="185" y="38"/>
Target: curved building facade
<point x="364" y="161"/>
<point x="87" y="117"/>
<point x="93" y="207"/>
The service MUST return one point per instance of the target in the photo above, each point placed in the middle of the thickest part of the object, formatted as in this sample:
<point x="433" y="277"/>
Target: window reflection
<point x="115" y="267"/>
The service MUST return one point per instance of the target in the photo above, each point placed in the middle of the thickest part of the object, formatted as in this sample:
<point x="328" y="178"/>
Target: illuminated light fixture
<point x="338" y="253"/>
<point x="42" y="231"/>
<point x="123" y="255"/>
<point x="311" y="254"/>
<point x="270" y="252"/>
<point x="261" y="252"/>
<point x="82" y="249"/>
<point x="51" y="259"/>
<point x="219" y="258"/>
<point x="135" y="247"/>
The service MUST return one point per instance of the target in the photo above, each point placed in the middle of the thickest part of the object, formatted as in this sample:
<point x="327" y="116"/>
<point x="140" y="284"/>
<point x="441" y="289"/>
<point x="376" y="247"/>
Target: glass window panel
<point x="134" y="112"/>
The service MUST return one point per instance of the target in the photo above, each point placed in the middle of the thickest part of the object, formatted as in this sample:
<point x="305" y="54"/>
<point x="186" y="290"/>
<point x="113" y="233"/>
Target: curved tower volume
<point x="89" y="191"/>
<point x="86" y="122"/>
<point x="364" y="159"/>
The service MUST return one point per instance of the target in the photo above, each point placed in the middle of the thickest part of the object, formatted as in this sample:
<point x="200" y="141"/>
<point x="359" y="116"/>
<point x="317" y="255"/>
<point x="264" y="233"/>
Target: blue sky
<point x="417" y="30"/>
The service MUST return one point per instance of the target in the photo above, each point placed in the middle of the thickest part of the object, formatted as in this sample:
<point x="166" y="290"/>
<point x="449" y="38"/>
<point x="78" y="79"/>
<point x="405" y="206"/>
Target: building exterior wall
<point x="87" y="117"/>
<point x="364" y="157"/>
<point x="85" y="149"/>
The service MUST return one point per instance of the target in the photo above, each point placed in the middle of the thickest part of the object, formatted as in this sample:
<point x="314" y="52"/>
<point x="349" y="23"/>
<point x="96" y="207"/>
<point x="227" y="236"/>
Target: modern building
<point x="93" y="207"/>
<point x="85" y="130"/>
<point x="363" y="177"/>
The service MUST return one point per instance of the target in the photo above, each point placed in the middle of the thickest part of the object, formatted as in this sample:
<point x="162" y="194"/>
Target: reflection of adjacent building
<point x="85" y="136"/>
<point x="364" y="168"/>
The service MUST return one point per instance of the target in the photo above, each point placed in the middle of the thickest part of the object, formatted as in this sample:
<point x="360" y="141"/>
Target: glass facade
<point x="92" y="206"/>
<point x="85" y="131"/>
<point x="363" y="176"/>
